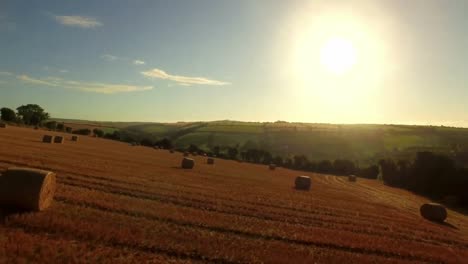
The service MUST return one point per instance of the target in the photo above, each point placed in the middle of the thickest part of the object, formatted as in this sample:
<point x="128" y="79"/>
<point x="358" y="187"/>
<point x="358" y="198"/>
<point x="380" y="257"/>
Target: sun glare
<point x="339" y="60"/>
<point x="338" y="55"/>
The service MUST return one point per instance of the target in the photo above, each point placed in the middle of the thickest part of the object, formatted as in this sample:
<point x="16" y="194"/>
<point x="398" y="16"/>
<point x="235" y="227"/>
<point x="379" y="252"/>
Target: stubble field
<point x="118" y="203"/>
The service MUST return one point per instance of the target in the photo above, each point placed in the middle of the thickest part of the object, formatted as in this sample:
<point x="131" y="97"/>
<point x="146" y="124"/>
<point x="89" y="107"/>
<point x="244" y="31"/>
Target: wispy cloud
<point x="109" y="57"/>
<point x="78" y="21"/>
<point x="6" y="73"/>
<point x="95" y="87"/>
<point x="182" y="80"/>
<point x="138" y="62"/>
<point x="53" y="69"/>
<point x="28" y="79"/>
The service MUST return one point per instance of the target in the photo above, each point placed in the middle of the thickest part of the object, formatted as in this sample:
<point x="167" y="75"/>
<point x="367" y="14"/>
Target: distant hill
<point x="364" y="143"/>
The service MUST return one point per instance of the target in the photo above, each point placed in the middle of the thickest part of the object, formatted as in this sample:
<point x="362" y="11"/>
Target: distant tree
<point x="278" y="161"/>
<point x="300" y="161"/>
<point x="98" y="132"/>
<point x="51" y="125"/>
<point x="32" y="114"/>
<point x="193" y="148"/>
<point x="164" y="143"/>
<point x="116" y="135"/>
<point x="232" y="152"/>
<point x="216" y="150"/>
<point x="343" y="167"/>
<point x="147" y="142"/>
<point x="390" y="172"/>
<point x="8" y="114"/>
<point x="83" y="131"/>
<point x="60" y="126"/>
<point x="325" y="166"/>
<point x="431" y="173"/>
<point x="267" y="157"/>
<point x="370" y="172"/>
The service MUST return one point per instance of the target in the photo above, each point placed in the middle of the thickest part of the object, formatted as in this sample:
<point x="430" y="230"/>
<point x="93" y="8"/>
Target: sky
<point x="389" y="62"/>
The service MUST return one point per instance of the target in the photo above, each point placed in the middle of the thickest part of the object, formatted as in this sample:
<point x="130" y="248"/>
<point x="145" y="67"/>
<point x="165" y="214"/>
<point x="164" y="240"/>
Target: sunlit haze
<point x="305" y="61"/>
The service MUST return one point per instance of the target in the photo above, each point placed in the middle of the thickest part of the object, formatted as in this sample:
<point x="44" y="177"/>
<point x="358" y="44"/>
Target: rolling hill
<point x="363" y="143"/>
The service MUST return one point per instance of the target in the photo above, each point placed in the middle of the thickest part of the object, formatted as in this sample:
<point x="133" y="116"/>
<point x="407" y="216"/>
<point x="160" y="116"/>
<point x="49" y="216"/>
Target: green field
<point x="363" y="143"/>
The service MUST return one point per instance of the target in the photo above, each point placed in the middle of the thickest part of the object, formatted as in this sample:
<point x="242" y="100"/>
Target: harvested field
<point x="118" y="203"/>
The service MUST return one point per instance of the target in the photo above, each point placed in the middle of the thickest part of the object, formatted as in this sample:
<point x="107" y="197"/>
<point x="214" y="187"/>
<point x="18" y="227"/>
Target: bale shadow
<point x="5" y="212"/>
<point x="446" y="225"/>
<point x="299" y="189"/>
<point x="180" y="168"/>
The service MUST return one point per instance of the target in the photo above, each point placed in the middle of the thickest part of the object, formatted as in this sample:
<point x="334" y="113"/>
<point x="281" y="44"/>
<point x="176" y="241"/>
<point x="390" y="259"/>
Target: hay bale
<point x="27" y="189"/>
<point x="75" y="138"/>
<point x="272" y="166"/>
<point x="47" y="139"/>
<point x="3" y="125"/>
<point x="210" y="161"/>
<point x="433" y="212"/>
<point x="58" y="139"/>
<point x="188" y="163"/>
<point x="352" y="178"/>
<point x="302" y="183"/>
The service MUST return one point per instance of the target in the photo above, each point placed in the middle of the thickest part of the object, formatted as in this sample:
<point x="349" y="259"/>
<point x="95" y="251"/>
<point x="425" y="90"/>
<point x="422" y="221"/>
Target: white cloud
<point x="103" y="88"/>
<point x="109" y="57"/>
<point x="28" y="79"/>
<point x="78" y="21"/>
<point x="63" y="71"/>
<point x="138" y="62"/>
<point x="6" y="73"/>
<point x="181" y="80"/>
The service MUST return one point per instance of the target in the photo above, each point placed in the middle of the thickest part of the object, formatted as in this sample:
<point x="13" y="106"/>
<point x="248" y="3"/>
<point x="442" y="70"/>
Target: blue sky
<point x="241" y="60"/>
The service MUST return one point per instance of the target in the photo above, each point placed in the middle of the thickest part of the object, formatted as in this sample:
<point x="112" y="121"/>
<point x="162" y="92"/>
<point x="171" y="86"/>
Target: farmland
<point x="364" y="143"/>
<point x="118" y="203"/>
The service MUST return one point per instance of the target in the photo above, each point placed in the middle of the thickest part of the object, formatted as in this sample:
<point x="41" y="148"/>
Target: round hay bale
<point x="27" y="189"/>
<point x="47" y="139"/>
<point x="188" y="163"/>
<point x="75" y="138"/>
<point x="3" y="125"/>
<point x="433" y="212"/>
<point x="210" y="161"/>
<point x="272" y="166"/>
<point x="352" y="178"/>
<point x="58" y="139"/>
<point x="302" y="183"/>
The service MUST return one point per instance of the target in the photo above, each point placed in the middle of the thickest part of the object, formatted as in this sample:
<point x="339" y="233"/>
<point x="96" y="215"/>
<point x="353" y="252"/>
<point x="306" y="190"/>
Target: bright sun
<point x="338" y="55"/>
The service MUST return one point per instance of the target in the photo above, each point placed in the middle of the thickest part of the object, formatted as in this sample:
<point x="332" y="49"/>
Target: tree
<point x="193" y="148"/>
<point x="32" y="114"/>
<point x="60" y="126"/>
<point x="84" y="131"/>
<point x="52" y="125"/>
<point x="325" y="166"/>
<point x="164" y="143"/>
<point x="8" y="114"/>
<point x="147" y="142"/>
<point x="98" y="132"/>
<point x="232" y="152"/>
